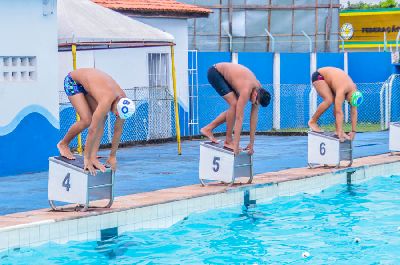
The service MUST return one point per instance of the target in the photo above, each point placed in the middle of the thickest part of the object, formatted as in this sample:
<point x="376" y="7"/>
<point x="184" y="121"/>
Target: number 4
<point x="65" y="182"/>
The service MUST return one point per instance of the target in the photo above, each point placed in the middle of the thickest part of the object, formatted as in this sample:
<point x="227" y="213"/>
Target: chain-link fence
<point x="153" y="119"/>
<point x="296" y="103"/>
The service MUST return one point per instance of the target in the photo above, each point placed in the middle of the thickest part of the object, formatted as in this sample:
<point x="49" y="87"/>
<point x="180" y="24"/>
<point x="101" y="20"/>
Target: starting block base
<point x="394" y="137"/>
<point x="326" y="149"/>
<point x="218" y="163"/>
<point x="69" y="183"/>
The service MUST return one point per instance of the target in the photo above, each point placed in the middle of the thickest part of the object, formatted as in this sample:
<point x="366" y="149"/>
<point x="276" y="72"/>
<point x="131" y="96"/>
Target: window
<point x="17" y="69"/>
<point x="158" y="70"/>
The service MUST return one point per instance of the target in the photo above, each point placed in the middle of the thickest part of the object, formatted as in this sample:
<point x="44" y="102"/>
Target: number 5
<point x="216" y="163"/>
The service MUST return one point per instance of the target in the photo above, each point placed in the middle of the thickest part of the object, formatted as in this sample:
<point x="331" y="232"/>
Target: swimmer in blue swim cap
<point x="335" y="86"/>
<point x="94" y="94"/>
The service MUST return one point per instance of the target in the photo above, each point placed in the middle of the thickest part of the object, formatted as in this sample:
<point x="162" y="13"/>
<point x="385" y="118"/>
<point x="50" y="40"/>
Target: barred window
<point x="158" y="70"/>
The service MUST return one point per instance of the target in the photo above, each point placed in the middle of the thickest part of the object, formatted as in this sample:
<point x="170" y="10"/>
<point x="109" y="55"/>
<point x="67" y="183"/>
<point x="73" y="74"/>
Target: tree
<point x="381" y="4"/>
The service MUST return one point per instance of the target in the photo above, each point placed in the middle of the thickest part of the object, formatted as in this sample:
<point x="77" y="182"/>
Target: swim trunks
<point x="71" y="87"/>
<point x="218" y="82"/>
<point x="316" y="76"/>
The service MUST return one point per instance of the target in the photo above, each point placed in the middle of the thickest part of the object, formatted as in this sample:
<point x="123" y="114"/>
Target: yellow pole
<point x="79" y="149"/>
<point x="177" y="126"/>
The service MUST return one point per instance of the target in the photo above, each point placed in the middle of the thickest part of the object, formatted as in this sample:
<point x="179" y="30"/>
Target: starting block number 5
<point x="216" y="165"/>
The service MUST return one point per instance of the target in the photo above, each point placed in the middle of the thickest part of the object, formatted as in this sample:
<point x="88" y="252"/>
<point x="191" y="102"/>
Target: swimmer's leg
<point x="231" y="99"/>
<point x="81" y="106"/>
<point x="207" y="130"/>
<point x="326" y="93"/>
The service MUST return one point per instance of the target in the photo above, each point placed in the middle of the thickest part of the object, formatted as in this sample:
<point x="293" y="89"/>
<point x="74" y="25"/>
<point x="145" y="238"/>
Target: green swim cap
<point x="356" y="99"/>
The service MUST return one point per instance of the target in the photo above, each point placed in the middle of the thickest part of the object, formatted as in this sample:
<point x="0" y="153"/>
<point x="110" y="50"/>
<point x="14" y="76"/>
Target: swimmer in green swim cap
<point x="335" y="86"/>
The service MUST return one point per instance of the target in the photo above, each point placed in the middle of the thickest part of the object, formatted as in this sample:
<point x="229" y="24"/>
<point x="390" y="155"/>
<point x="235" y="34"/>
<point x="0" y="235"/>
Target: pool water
<point x="327" y="225"/>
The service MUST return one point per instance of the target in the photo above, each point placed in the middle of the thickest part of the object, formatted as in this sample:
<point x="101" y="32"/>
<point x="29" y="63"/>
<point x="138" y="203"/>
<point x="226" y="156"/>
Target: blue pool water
<point x="325" y="225"/>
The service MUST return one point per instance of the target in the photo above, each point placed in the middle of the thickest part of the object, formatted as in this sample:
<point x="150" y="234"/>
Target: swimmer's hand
<point x="250" y="149"/>
<point x="97" y="164"/>
<point x="112" y="161"/>
<point x="352" y="135"/>
<point x="88" y="165"/>
<point x="343" y="136"/>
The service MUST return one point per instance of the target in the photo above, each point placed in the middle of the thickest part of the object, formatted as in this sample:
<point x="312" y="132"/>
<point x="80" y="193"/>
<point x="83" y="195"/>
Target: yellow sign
<point x="365" y="28"/>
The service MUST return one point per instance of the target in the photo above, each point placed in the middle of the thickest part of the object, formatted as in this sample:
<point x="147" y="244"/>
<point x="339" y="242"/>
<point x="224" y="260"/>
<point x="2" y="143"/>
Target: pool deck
<point x="122" y="203"/>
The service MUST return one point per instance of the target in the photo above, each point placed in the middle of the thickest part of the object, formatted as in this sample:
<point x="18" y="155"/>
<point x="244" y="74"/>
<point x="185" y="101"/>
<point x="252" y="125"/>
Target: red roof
<point x="155" y="7"/>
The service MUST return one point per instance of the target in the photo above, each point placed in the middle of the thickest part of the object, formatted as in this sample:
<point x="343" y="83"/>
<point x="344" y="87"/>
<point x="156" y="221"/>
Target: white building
<point x="126" y="49"/>
<point x="29" y="112"/>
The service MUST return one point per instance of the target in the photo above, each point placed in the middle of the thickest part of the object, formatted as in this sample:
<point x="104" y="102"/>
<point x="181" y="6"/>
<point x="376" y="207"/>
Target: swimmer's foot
<point x="208" y="133"/>
<point x="65" y="151"/>
<point x="229" y="145"/>
<point x="314" y="127"/>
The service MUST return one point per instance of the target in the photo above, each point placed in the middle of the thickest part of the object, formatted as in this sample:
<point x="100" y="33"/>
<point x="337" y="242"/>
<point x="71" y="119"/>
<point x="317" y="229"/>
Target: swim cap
<point x="125" y="108"/>
<point x="356" y="99"/>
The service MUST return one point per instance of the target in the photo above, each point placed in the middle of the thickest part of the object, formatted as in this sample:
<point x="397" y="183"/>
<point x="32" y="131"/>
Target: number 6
<point x="322" y="149"/>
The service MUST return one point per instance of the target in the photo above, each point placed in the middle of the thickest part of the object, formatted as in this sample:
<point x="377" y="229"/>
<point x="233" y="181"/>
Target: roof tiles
<point x="160" y="7"/>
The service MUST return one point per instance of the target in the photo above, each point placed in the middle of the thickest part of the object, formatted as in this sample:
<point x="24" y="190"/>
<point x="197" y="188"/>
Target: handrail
<point x="309" y="40"/>
<point x="272" y="40"/>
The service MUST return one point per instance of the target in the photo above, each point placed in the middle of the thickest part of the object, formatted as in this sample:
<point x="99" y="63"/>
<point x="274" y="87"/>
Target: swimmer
<point x="237" y="85"/>
<point x="335" y="86"/>
<point x="93" y="94"/>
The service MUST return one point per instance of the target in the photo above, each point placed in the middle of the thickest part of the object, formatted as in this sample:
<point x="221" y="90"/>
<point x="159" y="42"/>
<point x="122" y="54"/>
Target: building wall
<point x="178" y="27"/>
<point x="29" y="119"/>
<point x="247" y="20"/>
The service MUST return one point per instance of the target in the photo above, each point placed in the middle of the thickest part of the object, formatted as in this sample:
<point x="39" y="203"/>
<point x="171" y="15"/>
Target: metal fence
<point x="296" y="103"/>
<point x="153" y="119"/>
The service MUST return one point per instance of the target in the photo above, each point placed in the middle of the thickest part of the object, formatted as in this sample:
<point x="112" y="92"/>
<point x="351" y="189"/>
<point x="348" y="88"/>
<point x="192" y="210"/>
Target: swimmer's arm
<point x="112" y="159"/>
<point x="240" y="105"/>
<point x="253" y="122"/>
<point x="354" y="115"/>
<point x="339" y="99"/>
<point x="119" y="123"/>
<point x="98" y="117"/>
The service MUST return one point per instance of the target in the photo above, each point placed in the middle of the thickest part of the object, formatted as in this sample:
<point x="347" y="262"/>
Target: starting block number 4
<point x="394" y="137"/>
<point x="220" y="164"/>
<point x="326" y="149"/>
<point x="68" y="182"/>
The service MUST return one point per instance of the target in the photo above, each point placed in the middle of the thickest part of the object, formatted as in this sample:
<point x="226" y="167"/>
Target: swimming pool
<point x="327" y="225"/>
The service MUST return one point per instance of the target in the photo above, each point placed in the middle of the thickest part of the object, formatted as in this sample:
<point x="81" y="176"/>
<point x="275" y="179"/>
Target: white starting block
<point x="68" y="182"/>
<point x="218" y="163"/>
<point x="394" y="137"/>
<point x="326" y="149"/>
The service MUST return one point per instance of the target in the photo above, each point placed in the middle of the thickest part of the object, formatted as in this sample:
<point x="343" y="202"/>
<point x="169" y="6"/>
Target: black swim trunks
<point x="218" y="82"/>
<point x="316" y="76"/>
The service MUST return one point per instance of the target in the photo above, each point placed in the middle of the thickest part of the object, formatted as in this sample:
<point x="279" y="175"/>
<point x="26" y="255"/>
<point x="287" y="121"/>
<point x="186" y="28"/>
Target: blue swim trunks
<point x="71" y="87"/>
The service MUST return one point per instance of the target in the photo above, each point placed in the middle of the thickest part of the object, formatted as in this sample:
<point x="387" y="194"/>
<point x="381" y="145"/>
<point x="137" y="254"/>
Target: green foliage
<point x="381" y="4"/>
